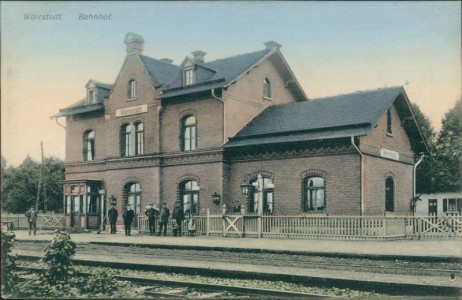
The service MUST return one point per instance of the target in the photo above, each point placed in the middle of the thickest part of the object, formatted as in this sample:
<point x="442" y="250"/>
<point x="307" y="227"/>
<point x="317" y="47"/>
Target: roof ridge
<point x="359" y="92"/>
<point x="237" y="55"/>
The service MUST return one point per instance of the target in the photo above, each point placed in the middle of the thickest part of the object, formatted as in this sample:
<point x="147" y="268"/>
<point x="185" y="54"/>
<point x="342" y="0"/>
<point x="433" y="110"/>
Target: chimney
<point x="167" y="60"/>
<point x="134" y="42"/>
<point x="272" y="44"/>
<point x="199" y="55"/>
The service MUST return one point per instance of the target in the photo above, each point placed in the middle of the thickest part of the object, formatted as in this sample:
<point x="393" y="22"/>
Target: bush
<point x="9" y="268"/>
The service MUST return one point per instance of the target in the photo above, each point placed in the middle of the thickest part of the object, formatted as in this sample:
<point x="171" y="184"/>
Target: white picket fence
<point x="44" y="221"/>
<point x="322" y="227"/>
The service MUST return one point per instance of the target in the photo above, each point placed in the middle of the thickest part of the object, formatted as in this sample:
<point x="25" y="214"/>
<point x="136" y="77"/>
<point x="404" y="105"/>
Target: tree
<point x="425" y="173"/>
<point x="449" y="150"/>
<point x="19" y="185"/>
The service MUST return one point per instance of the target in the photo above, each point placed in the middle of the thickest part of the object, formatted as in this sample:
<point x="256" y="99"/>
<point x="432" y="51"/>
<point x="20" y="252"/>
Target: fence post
<point x="208" y="221"/>
<point x="259" y="229"/>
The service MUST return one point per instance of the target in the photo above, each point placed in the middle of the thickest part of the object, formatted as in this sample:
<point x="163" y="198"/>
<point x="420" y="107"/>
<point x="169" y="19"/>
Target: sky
<point x="332" y="48"/>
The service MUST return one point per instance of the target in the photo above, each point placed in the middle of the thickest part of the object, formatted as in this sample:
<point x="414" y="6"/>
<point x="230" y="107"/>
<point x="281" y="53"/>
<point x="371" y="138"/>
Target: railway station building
<point x="202" y="131"/>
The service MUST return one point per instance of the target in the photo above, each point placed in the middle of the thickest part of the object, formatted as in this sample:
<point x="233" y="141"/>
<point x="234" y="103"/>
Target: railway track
<point x="383" y="266"/>
<point x="174" y="289"/>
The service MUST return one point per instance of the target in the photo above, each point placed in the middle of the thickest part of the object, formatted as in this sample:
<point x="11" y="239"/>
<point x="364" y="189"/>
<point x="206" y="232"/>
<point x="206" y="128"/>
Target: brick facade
<point x="163" y="166"/>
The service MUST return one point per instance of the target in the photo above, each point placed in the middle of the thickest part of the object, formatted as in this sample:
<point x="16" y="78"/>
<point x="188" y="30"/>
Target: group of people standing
<point x="154" y="216"/>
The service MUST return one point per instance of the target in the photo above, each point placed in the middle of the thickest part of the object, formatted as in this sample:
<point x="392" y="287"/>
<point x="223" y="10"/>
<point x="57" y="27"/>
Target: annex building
<point x="199" y="131"/>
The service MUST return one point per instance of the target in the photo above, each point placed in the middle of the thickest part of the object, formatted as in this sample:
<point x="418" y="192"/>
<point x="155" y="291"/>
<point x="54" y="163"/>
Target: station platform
<point x="425" y="249"/>
<point x="429" y="250"/>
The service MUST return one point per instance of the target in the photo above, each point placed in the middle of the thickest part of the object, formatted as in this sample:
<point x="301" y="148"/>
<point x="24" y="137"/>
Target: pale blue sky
<point x="332" y="47"/>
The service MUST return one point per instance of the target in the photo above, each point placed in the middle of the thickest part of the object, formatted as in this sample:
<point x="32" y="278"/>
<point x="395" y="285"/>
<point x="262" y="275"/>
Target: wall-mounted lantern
<point x="216" y="198"/>
<point x="246" y="188"/>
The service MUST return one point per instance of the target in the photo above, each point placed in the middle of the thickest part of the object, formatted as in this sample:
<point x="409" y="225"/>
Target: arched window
<point x="126" y="140"/>
<point x="132" y="196"/>
<point x="267" y="88"/>
<point x="389" y="194"/>
<point x="189" y="193"/>
<point x="89" y="145"/>
<point x="267" y="191"/>
<point x="139" y="139"/>
<point x="131" y="89"/>
<point x="188" y="132"/>
<point x="389" y="122"/>
<point x="314" y="198"/>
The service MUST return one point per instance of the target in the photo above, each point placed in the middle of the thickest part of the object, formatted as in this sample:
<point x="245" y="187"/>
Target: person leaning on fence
<point x="128" y="217"/>
<point x="31" y="215"/>
<point x="113" y="215"/>
<point x="178" y="218"/>
<point x="152" y="213"/>
<point x="163" y="221"/>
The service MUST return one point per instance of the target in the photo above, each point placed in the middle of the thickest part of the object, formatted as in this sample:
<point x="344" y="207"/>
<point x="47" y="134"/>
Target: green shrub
<point x="58" y="254"/>
<point x="9" y="268"/>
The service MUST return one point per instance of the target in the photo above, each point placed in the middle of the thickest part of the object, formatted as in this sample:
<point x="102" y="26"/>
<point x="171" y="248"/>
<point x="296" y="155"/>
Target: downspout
<point x="56" y="120"/>
<point x="361" y="204"/>
<point x="224" y="120"/>
<point x="422" y="155"/>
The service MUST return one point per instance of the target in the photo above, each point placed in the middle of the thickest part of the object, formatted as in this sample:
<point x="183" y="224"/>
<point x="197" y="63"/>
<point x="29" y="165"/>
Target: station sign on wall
<point x="132" y="110"/>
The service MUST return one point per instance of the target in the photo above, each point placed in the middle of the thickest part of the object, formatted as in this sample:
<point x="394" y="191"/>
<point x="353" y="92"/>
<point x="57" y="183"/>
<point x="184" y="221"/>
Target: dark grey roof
<point x="79" y="108"/>
<point x="161" y="72"/>
<point x="332" y="117"/>
<point x="221" y="70"/>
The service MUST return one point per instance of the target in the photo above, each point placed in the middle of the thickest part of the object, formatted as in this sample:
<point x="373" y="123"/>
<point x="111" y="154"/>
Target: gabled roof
<point x="325" y="118"/>
<point x="224" y="70"/>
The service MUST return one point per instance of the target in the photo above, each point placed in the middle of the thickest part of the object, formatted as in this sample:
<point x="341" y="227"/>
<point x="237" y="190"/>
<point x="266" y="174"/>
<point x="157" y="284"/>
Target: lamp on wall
<point x="216" y="198"/>
<point x="246" y="188"/>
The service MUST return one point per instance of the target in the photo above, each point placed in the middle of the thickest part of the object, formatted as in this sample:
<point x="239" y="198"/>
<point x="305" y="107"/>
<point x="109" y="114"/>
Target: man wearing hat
<point x="164" y="215"/>
<point x="112" y="214"/>
<point x="128" y="217"/>
<point x="31" y="215"/>
<point x="152" y="213"/>
<point x="178" y="216"/>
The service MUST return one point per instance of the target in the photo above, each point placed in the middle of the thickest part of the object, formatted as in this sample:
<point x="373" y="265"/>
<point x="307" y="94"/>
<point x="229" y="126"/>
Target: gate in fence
<point x="435" y="226"/>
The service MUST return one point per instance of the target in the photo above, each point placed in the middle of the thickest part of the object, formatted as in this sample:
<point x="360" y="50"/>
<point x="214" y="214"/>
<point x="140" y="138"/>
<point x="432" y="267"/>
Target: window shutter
<point x="445" y="205"/>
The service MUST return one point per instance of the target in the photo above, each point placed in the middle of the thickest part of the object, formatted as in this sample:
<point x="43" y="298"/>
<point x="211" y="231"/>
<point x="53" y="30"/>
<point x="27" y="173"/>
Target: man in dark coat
<point x="112" y="214"/>
<point x="128" y="217"/>
<point x="31" y="215"/>
<point x="178" y="216"/>
<point x="164" y="215"/>
<point x="152" y="214"/>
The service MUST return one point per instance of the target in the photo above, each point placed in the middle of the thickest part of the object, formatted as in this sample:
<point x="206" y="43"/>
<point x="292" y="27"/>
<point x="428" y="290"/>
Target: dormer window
<point x="267" y="88"/>
<point x="91" y="97"/>
<point x="132" y="89"/>
<point x="189" y="76"/>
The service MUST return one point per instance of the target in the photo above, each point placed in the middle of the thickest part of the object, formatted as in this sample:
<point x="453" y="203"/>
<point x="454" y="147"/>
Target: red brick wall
<point x="342" y="182"/>
<point x="209" y="124"/>
<point x="244" y="99"/>
<point x="208" y="175"/>
<point x="378" y="137"/>
<point x="376" y="171"/>
<point x="75" y="128"/>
